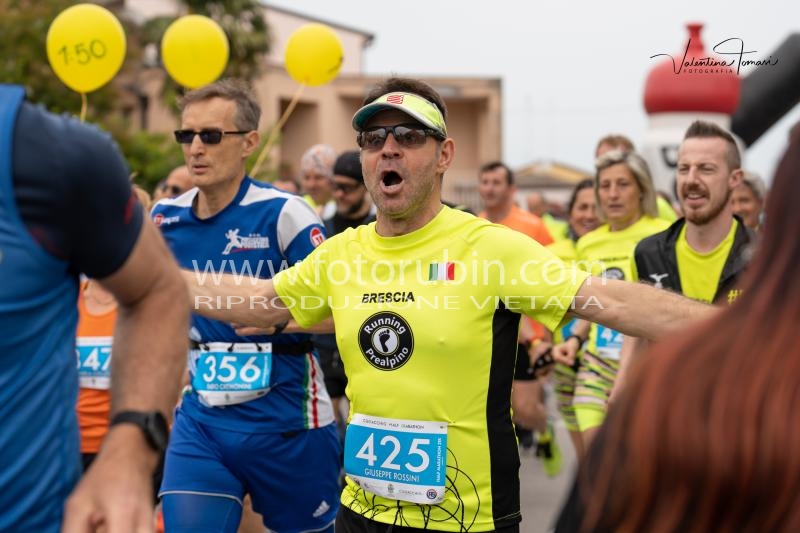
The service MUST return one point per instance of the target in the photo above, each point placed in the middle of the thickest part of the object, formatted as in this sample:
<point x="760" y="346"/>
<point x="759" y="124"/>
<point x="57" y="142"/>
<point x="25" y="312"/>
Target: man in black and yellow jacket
<point x="703" y="254"/>
<point x="657" y="262"/>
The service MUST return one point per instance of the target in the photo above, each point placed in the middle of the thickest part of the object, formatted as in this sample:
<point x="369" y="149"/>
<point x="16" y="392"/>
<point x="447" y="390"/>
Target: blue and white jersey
<point x="252" y="386"/>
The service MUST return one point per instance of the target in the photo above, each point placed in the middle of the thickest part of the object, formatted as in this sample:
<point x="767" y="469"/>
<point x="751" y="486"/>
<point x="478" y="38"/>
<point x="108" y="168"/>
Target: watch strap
<point x="152" y="423"/>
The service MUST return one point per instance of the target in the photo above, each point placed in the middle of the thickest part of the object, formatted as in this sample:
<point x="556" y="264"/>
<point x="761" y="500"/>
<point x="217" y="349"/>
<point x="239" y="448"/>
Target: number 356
<point x="226" y="372"/>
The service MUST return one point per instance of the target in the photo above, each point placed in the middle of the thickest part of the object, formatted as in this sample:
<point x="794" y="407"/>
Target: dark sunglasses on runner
<point x="346" y="188"/>
<point x="210" y="136"/>
<point x="406" y="135"/>
<point x="174" y="190"/>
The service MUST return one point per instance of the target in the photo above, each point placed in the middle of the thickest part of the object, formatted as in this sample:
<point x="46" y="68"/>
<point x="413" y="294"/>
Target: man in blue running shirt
<point x="258" y="420"/>
<point x="66" y="207"/>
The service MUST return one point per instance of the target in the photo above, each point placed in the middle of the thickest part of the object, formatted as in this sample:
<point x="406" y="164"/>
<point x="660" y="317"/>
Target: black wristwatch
<point x="153" y="424"/>
<point x="280" y="327"/>
<point x="577" y="338"/>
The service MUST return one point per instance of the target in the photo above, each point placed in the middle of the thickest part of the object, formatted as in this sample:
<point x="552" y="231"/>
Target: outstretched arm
<point x="245" y="301"/>
<point x="325" y="326"/>
<point x="636" y="309"/>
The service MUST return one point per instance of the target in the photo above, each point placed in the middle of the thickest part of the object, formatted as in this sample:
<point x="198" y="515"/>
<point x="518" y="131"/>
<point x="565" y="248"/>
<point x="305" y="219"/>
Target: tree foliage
<point x="23" y="60"/>
<point x="23" y="57"/>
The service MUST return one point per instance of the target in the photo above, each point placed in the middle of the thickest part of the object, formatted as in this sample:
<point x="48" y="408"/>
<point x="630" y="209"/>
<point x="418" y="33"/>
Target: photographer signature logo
<point x="732" y="60"/>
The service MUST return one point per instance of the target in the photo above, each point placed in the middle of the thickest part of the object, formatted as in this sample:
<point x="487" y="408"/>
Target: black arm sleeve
<point x="72" y="191"/>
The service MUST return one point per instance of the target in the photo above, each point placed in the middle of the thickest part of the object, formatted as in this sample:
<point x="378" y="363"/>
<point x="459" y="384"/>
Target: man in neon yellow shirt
<point x="704" y="254"/>
<point x="427" y="303"/>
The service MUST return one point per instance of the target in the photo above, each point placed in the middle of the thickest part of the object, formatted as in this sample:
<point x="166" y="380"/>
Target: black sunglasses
<point x="210" y="136"/>
<point x="406" y="135"/>
<point x="174" y="190"/>
<point x="345" y="187"/>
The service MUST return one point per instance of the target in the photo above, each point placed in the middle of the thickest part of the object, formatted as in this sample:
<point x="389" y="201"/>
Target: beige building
<point x="554" y="180"/>
<point x="323" y="113"/>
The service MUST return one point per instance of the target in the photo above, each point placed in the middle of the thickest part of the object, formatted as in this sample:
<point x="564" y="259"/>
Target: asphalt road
<point x="542" y="496"/>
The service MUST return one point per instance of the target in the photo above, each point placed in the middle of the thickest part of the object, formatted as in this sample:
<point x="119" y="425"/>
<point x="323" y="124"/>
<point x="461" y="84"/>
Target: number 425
<point x="367" y="452"/>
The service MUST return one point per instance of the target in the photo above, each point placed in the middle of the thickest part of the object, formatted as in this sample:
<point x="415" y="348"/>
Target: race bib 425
<point x="397" y="459"/>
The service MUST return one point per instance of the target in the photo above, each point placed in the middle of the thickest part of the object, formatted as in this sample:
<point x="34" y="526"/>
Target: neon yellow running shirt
<point x="611" y="253"/>
<point x="425" y="327"/>
<point x="700" y="273"/>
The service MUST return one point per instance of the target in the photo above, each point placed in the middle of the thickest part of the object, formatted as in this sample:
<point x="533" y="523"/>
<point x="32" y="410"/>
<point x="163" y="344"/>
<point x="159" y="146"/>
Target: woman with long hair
<point x="626" y="203"/>
<point x="705" y="436"/>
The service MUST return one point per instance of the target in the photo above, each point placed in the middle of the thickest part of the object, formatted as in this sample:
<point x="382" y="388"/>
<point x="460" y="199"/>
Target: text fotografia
<point x="733" y="52"/>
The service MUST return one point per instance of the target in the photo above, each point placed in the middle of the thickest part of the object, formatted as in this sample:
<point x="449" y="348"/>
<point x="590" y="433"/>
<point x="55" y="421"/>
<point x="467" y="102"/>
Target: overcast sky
<point x="572" y="71"/>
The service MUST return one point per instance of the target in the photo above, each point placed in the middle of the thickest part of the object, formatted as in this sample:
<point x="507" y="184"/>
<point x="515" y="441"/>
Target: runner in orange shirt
<point x="496" y="187"/>
<point x="97" y="314"/>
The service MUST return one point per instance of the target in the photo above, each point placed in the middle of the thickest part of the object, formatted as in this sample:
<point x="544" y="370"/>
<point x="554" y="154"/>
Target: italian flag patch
<point x="442" y="272"/>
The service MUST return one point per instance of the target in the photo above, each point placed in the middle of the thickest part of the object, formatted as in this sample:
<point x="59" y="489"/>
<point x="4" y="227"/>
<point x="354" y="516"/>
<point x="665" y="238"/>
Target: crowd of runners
<point x="347" y="351"/>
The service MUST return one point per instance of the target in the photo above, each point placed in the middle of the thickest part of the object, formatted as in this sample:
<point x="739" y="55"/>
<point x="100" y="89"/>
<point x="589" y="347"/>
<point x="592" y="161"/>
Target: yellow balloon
<point x="194" y="50"/>
<point x="85" y="47"/>
<point x="314" y="54"/>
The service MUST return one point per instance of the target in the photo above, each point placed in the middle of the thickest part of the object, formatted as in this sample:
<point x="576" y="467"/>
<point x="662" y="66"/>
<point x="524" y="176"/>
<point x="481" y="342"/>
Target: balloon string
<point x="273" y="134"/>
<point x="83" y="107"/>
